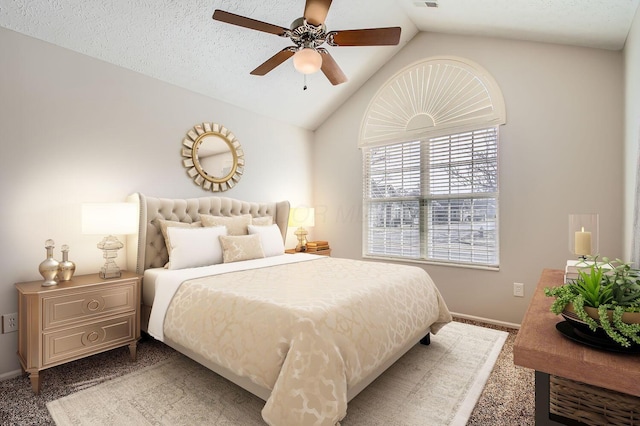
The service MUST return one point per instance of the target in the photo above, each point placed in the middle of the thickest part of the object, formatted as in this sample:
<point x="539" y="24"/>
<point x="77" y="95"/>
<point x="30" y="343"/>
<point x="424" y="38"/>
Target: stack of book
<point x="313" y="246"/>
<point x="571" y="271"/>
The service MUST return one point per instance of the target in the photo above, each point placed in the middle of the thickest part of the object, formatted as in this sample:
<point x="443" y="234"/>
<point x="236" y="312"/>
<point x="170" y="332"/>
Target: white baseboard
<point x="10" y="375"/>
<point x="487" y="320"/>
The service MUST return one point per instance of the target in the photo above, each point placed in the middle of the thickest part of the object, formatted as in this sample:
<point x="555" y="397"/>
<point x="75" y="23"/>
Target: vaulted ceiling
<point x="178" y="42"/>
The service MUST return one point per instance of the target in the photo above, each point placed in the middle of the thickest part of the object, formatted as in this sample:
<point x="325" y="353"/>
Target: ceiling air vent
<point x="425" y="3"/>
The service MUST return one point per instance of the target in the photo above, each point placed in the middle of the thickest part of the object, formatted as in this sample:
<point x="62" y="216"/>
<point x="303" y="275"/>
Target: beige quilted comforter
<point x="306" y="330"/>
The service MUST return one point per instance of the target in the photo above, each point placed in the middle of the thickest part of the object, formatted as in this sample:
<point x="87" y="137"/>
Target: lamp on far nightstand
<point x="109" y="219"/>
<point x="300" y="217"/>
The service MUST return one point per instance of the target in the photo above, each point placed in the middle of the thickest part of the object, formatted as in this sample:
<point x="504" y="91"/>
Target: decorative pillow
<point x="271" y="238"/>
<point x="241" y="247"/>
<point x="236" y="225"/>
<point x="193" y="247"/>
<point x="164" y="224"/>
<point x="262" y="221"/>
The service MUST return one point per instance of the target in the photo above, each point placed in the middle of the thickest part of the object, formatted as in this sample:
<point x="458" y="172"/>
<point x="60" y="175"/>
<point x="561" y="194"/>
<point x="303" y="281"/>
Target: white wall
<point x="74" y="129"/>
<point x="631" y="127"/>
<point x="560" y="153"/>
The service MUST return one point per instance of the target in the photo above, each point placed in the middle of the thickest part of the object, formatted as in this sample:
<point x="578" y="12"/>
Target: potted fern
<point x="604" y="298"/>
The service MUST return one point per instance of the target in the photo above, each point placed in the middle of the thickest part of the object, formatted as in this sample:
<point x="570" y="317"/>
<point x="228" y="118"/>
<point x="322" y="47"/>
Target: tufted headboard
<point x="147" y="249"/>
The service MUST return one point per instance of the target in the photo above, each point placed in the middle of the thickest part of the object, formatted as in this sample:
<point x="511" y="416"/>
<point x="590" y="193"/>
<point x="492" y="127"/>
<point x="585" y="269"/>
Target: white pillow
<point x="193" y="247"/>
<point x="164" y="224"/>
<point x="272" y="243"/>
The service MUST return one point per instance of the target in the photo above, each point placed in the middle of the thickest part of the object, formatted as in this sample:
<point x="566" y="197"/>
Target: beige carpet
<point x="432" y="385"/>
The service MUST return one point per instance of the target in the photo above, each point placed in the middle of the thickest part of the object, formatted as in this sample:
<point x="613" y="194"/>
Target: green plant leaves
<point x="606" y="285"/>
<point x="589" y="286"/>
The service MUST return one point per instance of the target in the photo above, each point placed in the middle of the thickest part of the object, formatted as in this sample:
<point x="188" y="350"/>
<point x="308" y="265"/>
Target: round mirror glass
<point x="213" y="157"/>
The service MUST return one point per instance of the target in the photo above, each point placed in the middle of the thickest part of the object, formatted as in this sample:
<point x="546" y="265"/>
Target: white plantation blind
<point x="393" y="178"/>
<point x="434" y="199"/>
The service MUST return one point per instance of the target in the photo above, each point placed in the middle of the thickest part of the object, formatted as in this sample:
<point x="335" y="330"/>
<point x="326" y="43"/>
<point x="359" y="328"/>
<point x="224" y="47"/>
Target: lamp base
<point x="110" y="246"/>
<point x="110" y="269"/>
<point x="104" y="274"/>
<point x="301" y="233"/>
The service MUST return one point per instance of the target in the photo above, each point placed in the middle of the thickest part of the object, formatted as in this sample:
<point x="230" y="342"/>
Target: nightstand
<point x="75" y="319"/>
<point x="326" y="252"/>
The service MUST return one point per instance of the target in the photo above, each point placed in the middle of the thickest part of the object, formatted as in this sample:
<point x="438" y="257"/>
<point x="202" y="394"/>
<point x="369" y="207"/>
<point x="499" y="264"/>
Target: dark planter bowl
<point x="577" y="330"/>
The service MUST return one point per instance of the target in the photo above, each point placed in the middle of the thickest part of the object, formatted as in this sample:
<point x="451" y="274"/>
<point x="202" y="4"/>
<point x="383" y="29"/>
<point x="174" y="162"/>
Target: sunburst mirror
<point x="213" y="157"/>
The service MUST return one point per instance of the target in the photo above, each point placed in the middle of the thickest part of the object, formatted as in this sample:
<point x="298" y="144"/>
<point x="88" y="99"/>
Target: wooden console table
<point x="541" y="347"/>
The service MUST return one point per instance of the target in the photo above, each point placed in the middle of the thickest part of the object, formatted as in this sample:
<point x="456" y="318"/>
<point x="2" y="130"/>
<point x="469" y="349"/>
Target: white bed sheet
<point x="163" y="283"/>
<point x="149" y="285"/>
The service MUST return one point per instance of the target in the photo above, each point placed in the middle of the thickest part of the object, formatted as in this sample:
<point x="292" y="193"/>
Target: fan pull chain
<point x="305" y="82"/>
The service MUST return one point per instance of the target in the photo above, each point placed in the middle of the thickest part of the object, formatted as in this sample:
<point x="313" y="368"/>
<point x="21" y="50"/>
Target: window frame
<point x="425" y="198"/>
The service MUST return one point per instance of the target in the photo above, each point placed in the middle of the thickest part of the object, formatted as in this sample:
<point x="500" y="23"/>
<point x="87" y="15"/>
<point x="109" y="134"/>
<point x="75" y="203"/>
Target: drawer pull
<point x="92" y="337"/>
<point x="93" y="305"/>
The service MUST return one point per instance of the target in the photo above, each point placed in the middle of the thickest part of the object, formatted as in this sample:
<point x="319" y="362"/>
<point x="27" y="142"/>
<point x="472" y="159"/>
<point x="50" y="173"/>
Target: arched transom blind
<point x="429" y="97"/>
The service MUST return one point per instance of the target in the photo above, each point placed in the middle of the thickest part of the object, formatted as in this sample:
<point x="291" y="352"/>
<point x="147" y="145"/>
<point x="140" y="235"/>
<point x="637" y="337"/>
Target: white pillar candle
<point x="583" y="243"/>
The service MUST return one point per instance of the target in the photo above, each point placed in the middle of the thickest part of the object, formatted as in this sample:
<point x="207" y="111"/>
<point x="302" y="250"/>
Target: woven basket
<point x="592" y="405"/>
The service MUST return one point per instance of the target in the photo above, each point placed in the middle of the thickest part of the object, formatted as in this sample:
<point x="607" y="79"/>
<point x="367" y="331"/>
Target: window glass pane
<point x="393" y="171"/>
<point x="464" y="163"/>
<point x="394" y="228"/>
<point x="462" y="230"/>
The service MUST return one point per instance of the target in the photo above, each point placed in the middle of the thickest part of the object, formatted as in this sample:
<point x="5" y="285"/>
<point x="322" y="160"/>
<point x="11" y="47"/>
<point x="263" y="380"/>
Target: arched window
<point x="430" y="153"/>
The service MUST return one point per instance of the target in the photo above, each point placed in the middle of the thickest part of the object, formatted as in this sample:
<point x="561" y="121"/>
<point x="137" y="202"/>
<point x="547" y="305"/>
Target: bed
<point x="304" y="333"/>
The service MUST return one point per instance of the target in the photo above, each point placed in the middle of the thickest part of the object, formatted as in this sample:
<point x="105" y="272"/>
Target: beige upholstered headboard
<point x="147" y="249"/>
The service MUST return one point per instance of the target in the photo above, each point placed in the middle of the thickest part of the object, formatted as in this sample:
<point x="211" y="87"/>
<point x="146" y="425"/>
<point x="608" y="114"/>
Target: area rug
<point x="431" y="385"/>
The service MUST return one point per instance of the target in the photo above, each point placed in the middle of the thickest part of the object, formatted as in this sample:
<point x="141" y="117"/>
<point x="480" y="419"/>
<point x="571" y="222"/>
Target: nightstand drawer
<point x="70" y="343"/>
<point x="80" y="306"/>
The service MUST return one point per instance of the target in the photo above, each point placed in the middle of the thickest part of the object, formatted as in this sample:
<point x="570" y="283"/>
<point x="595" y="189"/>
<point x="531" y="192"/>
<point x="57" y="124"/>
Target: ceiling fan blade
<point x="367" y="37"/>
<point x="315" y="11"/>
<point x="242" y="21"/>
<point x="331" y="69"/>
<point x="274" y="61"/>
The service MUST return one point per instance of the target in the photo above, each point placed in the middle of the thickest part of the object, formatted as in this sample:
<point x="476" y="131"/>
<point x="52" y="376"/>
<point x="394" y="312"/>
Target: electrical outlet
<point x="518" y="289"/>
<point x="9" y="323"/>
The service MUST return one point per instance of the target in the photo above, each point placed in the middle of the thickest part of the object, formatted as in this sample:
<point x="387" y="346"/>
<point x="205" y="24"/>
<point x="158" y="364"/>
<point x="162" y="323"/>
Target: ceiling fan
<point x="308" y="33"/>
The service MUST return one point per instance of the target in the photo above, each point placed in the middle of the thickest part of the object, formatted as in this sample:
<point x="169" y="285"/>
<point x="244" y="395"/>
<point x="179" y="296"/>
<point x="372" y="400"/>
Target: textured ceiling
<point x="592" y="23"/>
<point x="177" y="41"/>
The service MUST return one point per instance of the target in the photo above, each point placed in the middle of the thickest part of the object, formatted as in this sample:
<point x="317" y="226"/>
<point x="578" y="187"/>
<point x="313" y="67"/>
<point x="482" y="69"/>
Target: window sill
<point x="434" y="263"/>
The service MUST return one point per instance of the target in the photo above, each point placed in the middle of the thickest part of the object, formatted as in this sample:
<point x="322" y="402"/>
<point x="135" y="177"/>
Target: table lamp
<point x="300" y="217"/>
<point x="109" y="219"/>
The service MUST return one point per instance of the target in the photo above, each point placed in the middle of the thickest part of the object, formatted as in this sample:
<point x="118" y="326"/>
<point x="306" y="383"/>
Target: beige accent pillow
<point x="262" y="221"/>
<point x="164" y="224"/>
<point x="236" y="225"/>
<point x="241" y="247"/>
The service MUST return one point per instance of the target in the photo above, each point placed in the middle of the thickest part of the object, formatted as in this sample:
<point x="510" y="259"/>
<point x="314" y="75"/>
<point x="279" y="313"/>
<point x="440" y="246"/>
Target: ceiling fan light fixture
<point x="308" y="33"/>
<point x="307" y="60"/>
